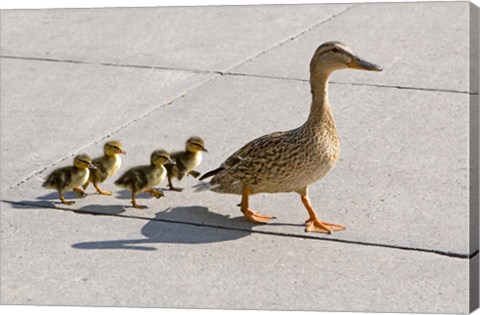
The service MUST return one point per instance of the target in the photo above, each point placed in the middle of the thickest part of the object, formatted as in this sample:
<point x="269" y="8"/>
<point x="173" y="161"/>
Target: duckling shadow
<point x="101" y="209"/>
<point x="34" y="204"/>
<point x="175" y="226"/>
<point x="54" y="196"/>
<point x="90" y="209"/>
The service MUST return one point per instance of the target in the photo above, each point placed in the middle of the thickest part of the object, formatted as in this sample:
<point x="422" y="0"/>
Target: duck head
<point x="334" y="55"/>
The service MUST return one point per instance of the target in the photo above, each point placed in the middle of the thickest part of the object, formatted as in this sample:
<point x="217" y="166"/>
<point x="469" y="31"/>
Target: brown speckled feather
<point x="60" y="178"/>
<point x="181" y="167"/>
<point x="280" y="161"/>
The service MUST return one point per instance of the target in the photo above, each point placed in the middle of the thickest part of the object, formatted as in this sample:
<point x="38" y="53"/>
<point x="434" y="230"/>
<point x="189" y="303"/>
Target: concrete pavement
<point x="71" y="79"/>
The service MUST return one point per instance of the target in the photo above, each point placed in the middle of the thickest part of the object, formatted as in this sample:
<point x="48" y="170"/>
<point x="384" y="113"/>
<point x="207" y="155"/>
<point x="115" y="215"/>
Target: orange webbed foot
<point x="322" y="227"/>
<point x="155" y="193"/>
<point x="255" y="217"/>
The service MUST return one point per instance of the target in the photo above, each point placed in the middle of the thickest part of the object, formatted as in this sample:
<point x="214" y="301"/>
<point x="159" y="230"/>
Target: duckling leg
<point x="156" y="193"/>
<point x="170" y="184"/>
<point x="62" y="199"/>
<point x="194" y="173"/>
<point x="79" y="192"/>
<point x="100" y="191"/>
<point x="313" y="223"/>
<point x="134" y="202"/>
<point x="249" y="214"/>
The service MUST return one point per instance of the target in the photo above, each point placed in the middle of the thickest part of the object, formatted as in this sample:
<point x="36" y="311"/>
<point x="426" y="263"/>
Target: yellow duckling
<point x="143" y="178"/>
<point x="107" y="165"/>
<point x="70" y="177"/>
<point x="186" y="161"/>
<point x="290" y="161"/>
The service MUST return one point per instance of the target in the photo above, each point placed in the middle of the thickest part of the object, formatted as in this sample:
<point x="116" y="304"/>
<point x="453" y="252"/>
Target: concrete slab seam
<point x="293" y="37"/>
<point x="229" y="73"/>
<point x="351" y="242"/>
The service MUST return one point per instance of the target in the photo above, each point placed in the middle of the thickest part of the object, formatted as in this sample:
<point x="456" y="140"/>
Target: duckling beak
<point x="170" y="161"/>
<point x="123" y="152"/>
<point x="92" y="166"/>
<point x="204" y="150"/>
<point x="359" y="63"/>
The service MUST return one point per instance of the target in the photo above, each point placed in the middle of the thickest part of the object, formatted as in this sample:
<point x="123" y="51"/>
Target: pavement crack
<point x="106" y="64"/>
<point x="280" y="234"/>
<point x="352" y="83"/>
<point x="230" y="73"/>
<point x="293" y="37"/>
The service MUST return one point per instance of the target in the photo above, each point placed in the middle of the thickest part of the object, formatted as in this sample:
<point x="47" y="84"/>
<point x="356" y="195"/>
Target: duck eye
<point x="335" y="50"/>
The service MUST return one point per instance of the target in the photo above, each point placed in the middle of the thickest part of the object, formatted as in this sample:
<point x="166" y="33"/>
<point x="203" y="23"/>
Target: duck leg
<point x="134" y="202"/>
<point x="194" y="173"/>
<point x="100" y="191"/>
<point x="62" y="199"/>
<point x="249" y="214"/>
<point x="313" y="223"/>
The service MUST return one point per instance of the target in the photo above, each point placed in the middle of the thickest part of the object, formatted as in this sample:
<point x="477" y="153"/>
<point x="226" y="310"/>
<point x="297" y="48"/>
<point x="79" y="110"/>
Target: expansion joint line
<point x="232" y="73"/>
<point x="306" y="236"/>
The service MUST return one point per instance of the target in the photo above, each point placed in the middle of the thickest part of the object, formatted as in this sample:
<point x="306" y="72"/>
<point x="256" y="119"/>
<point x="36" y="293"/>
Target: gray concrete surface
<point x="113" y="261"/>
<point x="150" y="77"/>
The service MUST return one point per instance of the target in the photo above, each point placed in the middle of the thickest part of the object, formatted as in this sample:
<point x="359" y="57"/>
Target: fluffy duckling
<point x="70" y="177"/>
<point x="290" y="161"/>
<point x="143" y="178"/>
<point x="186" y="161"/>
<point x="107" y="165"/>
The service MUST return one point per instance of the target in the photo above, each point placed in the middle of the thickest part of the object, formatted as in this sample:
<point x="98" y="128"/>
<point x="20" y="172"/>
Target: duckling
<point x="186" y="161"/>
<point x="143" y="178"/>
<point x="107" y="165"/>
<point x="290" y="161"/>
<point x="70" y="177"/>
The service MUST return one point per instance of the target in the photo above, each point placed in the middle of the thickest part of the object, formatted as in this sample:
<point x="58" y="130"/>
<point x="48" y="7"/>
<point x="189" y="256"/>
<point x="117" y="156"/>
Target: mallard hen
<point x="290" y="161"/>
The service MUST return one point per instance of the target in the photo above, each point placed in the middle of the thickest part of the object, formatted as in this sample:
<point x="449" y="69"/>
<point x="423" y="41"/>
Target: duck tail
<point x="211" y="173"/>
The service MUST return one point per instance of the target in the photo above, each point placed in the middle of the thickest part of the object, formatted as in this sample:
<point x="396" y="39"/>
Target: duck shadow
<point x="170" y="227"/>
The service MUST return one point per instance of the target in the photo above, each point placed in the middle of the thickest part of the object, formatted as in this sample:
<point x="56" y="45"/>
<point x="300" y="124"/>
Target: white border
<point x="71" y="310"/>
<point x="46" y="4"/>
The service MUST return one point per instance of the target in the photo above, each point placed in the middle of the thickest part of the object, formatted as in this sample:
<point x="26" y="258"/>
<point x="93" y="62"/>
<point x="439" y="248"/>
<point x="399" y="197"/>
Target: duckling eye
<point x="335" y="50"/>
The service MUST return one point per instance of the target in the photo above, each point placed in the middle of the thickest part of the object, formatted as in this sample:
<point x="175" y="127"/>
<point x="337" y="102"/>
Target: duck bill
<point x="204" y="150"/>
<point x="359" y="63"/>
<point x="92" y="167"/>
<point x="123" y="152"/>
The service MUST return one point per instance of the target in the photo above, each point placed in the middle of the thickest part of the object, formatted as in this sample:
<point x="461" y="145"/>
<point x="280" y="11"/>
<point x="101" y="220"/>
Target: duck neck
<point x="320" y="109"/>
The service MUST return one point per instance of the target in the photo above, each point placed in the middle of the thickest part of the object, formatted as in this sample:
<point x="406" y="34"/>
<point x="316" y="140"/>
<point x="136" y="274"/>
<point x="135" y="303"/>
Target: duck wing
<point x="250" y="159"/>
<point x="59" y="178"/>
<point x="100" y="174"/>
<point x="135" y="178"/>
